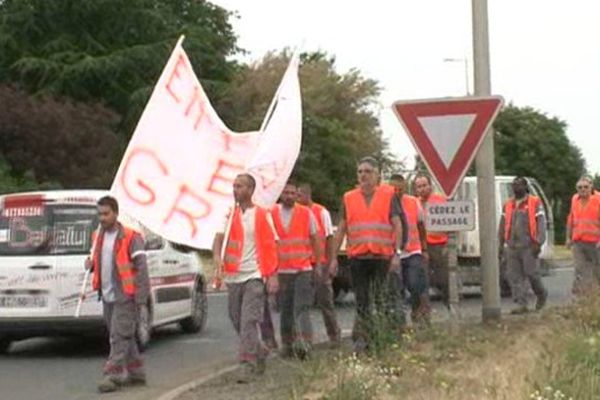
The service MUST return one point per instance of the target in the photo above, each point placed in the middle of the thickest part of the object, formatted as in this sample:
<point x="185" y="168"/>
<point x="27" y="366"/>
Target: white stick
<point x="86" y="277"/>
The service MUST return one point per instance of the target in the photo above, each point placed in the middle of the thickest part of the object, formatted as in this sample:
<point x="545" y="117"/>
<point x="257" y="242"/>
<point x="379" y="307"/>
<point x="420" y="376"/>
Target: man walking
<point x="583" y="236"/>
<point x="437" y="242"/>
<point x="323" y="275"/>
<point x="250" y="262"/>
<point x="120" y="276"/>
<point x="371" y="217"/>
<point x="414" y="273"/>
<point x="296" y="228"/>
<point x="523" y="229"/>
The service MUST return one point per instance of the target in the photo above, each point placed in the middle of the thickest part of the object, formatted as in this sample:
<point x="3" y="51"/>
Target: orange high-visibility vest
<point x="434" y="238"/>
<point x="294" y="249"/>
<point x="125" y="270"/>
<point x="410" y="205"/>
<point x="317" y="211"/>
<point x="264" y="238"/>
<point x="585" y="220"/>
<point x="533" y="203"/>
<point x="368" y="227"/>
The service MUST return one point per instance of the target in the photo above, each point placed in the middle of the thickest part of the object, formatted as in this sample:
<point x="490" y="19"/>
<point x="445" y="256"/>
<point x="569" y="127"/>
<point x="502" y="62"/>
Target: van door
<point x="29" y="279"/>
<point x="73" y="225"/>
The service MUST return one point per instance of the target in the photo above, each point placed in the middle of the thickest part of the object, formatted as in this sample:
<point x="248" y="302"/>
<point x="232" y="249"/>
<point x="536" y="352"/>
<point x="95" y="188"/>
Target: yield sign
<point x="448" y="132"/>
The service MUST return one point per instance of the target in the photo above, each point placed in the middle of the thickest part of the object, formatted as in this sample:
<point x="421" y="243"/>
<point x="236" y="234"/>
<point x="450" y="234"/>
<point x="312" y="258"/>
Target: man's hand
<point x="88" y="264"/>
<point x="598" y="245"/>
<point x="272" y="284"/>
<point x="425" y="255"/>
<point x="536" y="248"/>
<point x="395" y="263"/>
<point x="333" y="264"/>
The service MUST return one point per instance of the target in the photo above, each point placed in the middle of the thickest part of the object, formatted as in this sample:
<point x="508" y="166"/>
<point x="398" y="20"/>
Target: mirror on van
<point x="153" y="242"/>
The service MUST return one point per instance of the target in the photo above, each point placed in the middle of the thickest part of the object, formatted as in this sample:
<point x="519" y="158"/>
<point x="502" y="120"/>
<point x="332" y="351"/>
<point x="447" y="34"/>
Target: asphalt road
<point x="69" y="368"/>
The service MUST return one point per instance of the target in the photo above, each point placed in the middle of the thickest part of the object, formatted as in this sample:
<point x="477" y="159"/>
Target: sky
<point x="543" y="53"/>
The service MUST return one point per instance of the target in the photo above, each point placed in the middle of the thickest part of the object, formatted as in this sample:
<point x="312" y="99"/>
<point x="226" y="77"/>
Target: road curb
<point x="178" y="391"/>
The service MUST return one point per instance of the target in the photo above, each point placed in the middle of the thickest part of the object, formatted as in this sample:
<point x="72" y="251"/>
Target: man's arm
<point x="540" y="218"/>
<point x="501" y="231"/>
<point x="421" y="228"/>
<point x="142" y="278"/>
<point x="329" y="234"/>
<point x="314" y="237"/>
<point x="217" y="248"/>
<point x="337" y="242"/>
<point x="398" y="220"/>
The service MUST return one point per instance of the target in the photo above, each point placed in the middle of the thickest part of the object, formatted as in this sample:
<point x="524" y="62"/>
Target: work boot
<point x="541" y="301"/>
<point x="301" y="350"/>
<point x="109" y="384"/>
<point x="247" y="373"/>
<point x="286" y="351"/>
<point x="137" y="378"/>
<point x="360" y="346"/>
<point x="271" y="344"/>
<point x="520" y="310"/>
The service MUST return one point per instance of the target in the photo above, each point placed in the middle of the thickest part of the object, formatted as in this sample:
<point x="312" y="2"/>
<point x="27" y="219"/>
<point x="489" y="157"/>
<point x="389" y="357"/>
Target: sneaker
<point x="109" y="384"/>
<point x="301" y="350"/>
<point x="520" y="310"/>
<point x="247" y="373"/>
<point x="541" y="301"/>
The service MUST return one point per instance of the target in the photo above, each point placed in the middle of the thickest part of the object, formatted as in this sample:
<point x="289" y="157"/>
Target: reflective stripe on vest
<point x="294" y="249"/>
<point x="585" y="220"/>
<point x="410" y="206"/>
<point x="264" y="239"/>
<point x="125" y="270"/>
<point x="435" y="237"/>
<point x="317" y="210"/>
<point x="533" y="203"/>
<point x="369" y="230"/>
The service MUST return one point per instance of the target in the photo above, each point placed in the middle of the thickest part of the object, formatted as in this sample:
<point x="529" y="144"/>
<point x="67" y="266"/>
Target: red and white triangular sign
<point x="447" y="133"/>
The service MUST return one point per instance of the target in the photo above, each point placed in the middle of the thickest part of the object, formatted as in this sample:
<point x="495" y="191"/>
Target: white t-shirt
<point x="107" y="265"/>
<point x="327" y="224"/>
<point x="249" y="262"/>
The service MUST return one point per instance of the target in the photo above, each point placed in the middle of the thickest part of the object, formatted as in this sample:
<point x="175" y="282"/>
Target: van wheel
<point x="143" y="332"/>
<point x="4" y="345"/>
<point x="196" y="322"/>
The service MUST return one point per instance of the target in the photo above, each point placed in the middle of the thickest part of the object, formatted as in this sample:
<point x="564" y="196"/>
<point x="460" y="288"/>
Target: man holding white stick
<point x="120" y="275"/>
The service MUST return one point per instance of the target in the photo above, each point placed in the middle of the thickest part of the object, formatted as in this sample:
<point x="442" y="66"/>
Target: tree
<point x="55" y="142"/>
<point x="530" y="143"/>
<point x="597" y="182"/>
<point x="339" y="121"/>
<point x="110" y="51"/>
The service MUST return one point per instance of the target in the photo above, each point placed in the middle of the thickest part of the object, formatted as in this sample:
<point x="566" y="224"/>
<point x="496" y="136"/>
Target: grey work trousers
<point x="415" y="280"/>
<point x="587" y="267"/>
<point x="297" y="296"/>
<point x="121" y="320"/>
<point x="438" y="269"/>
<point x="324" y="300"/>
<point x="523" y="270"/>
<point x="246" y="307"/>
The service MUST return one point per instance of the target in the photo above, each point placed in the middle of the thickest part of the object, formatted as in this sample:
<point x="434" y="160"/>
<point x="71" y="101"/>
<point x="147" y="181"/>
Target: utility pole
<point x="488" y="241"/>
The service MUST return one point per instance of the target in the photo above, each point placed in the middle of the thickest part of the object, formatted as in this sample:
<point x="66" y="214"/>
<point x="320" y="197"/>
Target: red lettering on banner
<point x="140" y="152"/>
<point x="186" y="193"/>
<point x="224" y="175"/>
<point x="198" y="103"/>
<point x="269" y="173"/>
<point x="175" y="74"/>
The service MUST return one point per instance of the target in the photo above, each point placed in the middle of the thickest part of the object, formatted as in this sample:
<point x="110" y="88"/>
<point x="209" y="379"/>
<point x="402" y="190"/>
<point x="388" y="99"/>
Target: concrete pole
<point x="485" y="171"/>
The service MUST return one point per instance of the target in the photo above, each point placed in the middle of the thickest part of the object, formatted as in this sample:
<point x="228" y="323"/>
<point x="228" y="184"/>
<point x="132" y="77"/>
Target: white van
<point x="469" y="256"/>
<point x="44" y="240"/>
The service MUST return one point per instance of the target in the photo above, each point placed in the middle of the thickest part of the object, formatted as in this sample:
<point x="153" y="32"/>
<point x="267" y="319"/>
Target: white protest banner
<point x="451" y="216"/>
<point x="177" y="172"/>
<point x="280" y="141"/>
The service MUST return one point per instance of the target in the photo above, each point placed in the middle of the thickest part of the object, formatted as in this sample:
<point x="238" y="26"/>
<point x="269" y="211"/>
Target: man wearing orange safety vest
<point x="583" y="235"/>
<point x="120" y="275"/>
<point x="323" y="275"/>
<point x="414" y="273"/>
<point x="249" y="264"/>
<point x="523" y="229"/>
<point x="371" y="218"/>
<point x="437" y="242"/>
<point x="296" y="227"/>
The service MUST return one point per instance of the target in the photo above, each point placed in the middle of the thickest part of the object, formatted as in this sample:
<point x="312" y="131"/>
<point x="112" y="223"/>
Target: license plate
<point x="23" y="301"/>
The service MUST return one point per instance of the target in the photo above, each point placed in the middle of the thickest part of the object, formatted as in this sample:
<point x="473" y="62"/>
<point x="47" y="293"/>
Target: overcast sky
<point x="544" y="53"/>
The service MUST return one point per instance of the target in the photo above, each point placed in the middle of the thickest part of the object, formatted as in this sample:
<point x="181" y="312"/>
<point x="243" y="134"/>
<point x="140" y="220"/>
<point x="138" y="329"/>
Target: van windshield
<point x="46" y="229"/>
